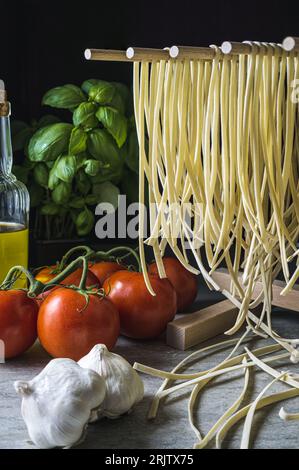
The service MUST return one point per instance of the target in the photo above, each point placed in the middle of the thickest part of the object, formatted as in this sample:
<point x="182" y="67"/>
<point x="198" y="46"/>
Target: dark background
<point x="42" y="42"/>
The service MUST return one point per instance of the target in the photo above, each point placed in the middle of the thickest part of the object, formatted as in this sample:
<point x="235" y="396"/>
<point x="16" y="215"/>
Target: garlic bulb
<point x="124" y="387"/>
<point x="58" y="402"/>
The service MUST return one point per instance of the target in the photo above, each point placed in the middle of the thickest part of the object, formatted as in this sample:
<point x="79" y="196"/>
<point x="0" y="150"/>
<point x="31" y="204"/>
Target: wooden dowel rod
<point x="146" y="54"/>
<point x="106" y="54"/>
<point x="291" y="44"/>
<point x="236" y="48"/>
<point x="229" y="47"/>
<point x="190" y="52"/>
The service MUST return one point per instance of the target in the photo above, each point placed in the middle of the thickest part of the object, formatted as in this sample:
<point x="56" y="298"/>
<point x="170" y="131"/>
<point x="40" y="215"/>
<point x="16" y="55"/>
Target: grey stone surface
<point x="171" y="428"/>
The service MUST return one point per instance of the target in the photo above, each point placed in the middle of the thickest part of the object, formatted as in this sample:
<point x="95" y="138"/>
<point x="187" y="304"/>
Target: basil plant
<point x="69" y="167"/>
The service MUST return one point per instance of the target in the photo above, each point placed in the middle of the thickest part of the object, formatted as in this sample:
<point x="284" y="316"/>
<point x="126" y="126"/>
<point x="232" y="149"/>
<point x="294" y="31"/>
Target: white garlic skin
<point x="124" y="387"/>
<point x="58" y="402"/>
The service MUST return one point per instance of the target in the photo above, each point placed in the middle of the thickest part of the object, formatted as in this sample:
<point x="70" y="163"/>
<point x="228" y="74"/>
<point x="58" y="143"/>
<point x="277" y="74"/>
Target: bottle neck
<point x="5" y="146"/>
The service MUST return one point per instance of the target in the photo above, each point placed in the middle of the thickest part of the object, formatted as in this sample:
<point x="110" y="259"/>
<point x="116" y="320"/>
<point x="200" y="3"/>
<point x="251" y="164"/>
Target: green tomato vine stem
<point x="82" y="285"/>
<point x="36" y="287"/>
<point x="88" y="252"/>
<point x="14" y="273"/>
<point x="101" y="255"/>
<point x="130" y="251"/>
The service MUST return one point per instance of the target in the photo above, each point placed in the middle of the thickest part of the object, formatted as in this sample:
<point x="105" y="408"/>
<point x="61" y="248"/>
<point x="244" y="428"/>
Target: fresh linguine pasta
<point x="223" y="147"/>
<point x="219" y="142"/>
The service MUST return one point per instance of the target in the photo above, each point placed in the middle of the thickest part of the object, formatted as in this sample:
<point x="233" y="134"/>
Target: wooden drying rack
<point x="227" y="49"/>
<point x="188" y="330"/>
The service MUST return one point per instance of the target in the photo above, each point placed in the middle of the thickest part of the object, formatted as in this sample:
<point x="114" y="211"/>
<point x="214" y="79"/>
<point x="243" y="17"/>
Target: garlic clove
<point x="124" y="387"/>
<point x="58" y="403"/>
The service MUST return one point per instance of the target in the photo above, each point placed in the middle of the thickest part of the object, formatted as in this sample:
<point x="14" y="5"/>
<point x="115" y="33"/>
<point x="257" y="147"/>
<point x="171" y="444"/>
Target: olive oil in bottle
<point x="14" y="202"/>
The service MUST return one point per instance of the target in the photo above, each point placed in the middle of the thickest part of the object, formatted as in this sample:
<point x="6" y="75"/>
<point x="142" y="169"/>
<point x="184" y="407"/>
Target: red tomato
<point x="141" y="314"/>
<point x="18" y="317"/>
<point x="75" y="278"/>
<point x="46" y="274"/>
<point x="184" y="282"/>
<point x="104" y="269"/>
<point x="68" y="328"/>
<point x="72" y="279"/>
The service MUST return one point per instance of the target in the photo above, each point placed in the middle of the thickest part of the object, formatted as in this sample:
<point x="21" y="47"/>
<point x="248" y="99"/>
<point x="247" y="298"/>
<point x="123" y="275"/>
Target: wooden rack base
<point x="187" y="330"/>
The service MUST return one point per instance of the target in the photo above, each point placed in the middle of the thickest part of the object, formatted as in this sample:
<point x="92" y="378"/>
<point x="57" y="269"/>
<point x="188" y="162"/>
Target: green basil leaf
<point x="84" y="222"/>
<point x="88" y="84"/>
<point x="132" y="152"/>
<point x="115" y="123"/>
<point x="66" y="168"/>
<point x="102" y="92"/>
<point x="91" y="200"/>
<point x="41" y="174"/>
<point x="84" y="115"/>
<point x="74" y="214"/>
<point x="64" y="97"/>
<point x="108" y="174"/>
<point x="21" y="133"/>
<point x="77" y="202"/>
<point x="53" y="179"/>
<point x="103" y="147"/>
<point x="47" y="120"/>
<point x="21" y="140"/>
<point x="21" y="173"/>
<point x="82" y="182"/>
<point x="129" y="186"/>
<point x="92" y="167"/>
<point x="131" y="122"/>
<point x="77" y="141"/>
<point x="49" y="142"/>
<point x="50" y="209"/>
<point x="118" y="103"/>
<point x="36" y="194"/>
<point x="106" y="192"/>
<point x="81" y="159"/>
<point x="126" y="96"/>
<point x="62" y="192"/>
<point x="103" y="176"/>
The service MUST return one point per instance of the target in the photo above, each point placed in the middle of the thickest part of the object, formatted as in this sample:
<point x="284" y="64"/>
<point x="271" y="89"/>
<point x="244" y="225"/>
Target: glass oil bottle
<point x="14" y="202"/>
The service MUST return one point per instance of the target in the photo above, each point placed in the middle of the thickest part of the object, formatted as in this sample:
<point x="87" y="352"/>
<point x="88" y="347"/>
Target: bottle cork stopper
<point x="2" y="92"/>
